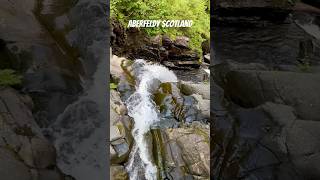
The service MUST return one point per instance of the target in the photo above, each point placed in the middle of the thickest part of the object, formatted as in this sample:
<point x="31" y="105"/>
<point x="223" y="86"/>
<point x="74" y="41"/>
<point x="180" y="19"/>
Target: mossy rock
<point x="118" y="173"/>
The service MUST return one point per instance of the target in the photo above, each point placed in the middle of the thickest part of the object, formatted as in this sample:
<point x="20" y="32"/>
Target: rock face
<point x="56" y="43"/>
<point x="44" y="62"/>
<point x="184" y="159"/>
<point x="298" y="90"/>
<point x="183" y="112"/>
<point x="120" y="130"/>
<point x="121" y="140"/>
<point x="175" y="54"/>
<point x="269" y="123"/>
<point x="250" y="88"/>
<point x="25" y="152"/>
<point x="265" y="92"/>
<point x="118" y="173"/>
<point x="52" y="44"/>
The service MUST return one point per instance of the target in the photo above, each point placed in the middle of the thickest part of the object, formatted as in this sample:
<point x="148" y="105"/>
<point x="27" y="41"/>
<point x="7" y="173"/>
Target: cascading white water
<point x="144" y="112"/>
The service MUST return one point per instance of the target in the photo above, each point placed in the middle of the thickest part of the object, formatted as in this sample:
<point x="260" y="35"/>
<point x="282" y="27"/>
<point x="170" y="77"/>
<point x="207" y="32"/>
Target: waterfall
<point x="144" y="113"/>
<point x="79" y="133"/>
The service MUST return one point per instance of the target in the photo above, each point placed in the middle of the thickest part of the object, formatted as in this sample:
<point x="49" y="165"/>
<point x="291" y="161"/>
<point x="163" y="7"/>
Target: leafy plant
<point x="8" y="77"/>
<point x="113" y="86"/>
<point x="196" y="10"/>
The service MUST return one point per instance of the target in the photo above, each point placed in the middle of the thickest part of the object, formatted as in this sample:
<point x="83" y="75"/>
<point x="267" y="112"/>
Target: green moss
<point x="158" y="98"/>
<point x="166" y="88"/>
<point x="24" y="131"/>
<point x="196" y="10"/>
<point x="202" y="133"/>
<point x="8" y="77"/>
<point x="113" y="86"/>
<point x="159" y="152"/>
<point x="124" y="65"/>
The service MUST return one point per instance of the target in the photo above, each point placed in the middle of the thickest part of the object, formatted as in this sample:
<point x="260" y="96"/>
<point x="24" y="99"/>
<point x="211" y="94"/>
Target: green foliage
<point x="8" y="77"/>
<point x="196" y="10"/>
<point x="113" y="86"/>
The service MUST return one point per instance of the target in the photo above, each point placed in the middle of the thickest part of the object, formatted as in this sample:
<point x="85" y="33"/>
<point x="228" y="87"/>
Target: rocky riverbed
<point x="265" y="96"/>
<point x="53" y="124"/>
<point x="174" y="118"/>
<point x="160" y="106"/>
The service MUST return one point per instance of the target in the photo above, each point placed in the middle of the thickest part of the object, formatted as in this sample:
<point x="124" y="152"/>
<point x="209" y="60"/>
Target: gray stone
<point x="24" y="150"/>
<point x="182" y="41"/>
<point x="189" y="88"/>
<point x="12" y="168"/>
<point x="251" y="88"/>
<point x="204" y="105"/>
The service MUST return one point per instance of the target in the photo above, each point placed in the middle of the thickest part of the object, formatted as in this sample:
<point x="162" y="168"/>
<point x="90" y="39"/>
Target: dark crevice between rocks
<point x="72" y="54"/>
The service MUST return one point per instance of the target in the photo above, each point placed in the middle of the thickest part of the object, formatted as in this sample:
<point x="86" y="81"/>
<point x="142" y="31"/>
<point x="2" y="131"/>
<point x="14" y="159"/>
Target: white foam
<point x="144" y="112"/>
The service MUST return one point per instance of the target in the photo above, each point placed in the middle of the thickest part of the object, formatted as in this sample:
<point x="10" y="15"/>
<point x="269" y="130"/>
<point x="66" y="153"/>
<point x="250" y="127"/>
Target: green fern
<point x="8" y="77"/>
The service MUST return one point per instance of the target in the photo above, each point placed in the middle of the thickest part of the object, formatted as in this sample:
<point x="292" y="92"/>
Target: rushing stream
<point x="145" y="113"/>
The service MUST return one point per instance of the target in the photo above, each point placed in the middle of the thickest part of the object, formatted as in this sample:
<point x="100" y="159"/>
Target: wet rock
<point x="184" y="159"/>
<point x="120" y="130"/>
<point x="182" y="55"/>
<point x="182" y="42"/>
<point x="118" y="173"/>
<point x="156" y="41"/>
<point x="269" y="139"/>
<point x="45" y="62"/>
<point x="117" y="34"/>
<point x="174" y="105"/>
<point x="252" y="88"/>
<point x="181" y="65"/>
<point x="116" y="70"/>
<point x="205" y="45"/>
<point x="204" y="105"/>
<point x="207" y="58"/>
<point x="51" y="175"/>
<point x="174" y="57"/>
<point x="271" y="45"/>
<point x="24" y="149"/>
<point x="11" y="167"/>
<point x="79" y="29"/>
<point x="189" y="88"/>
<point x="166" y="41"/>
<point x="265" y="138"/>
<point x="149" y="53"/>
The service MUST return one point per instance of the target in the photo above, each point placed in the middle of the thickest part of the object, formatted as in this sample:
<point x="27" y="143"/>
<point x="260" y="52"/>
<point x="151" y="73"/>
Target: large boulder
<point x="116" y="70"/>
<point x="266" y="141"/>
<point x="187" y="159"/>
<point x="251" y="88"/>
<point x="118" y="172"/>
<point x="25" y="152"/>
<point x="189" y="88"/>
